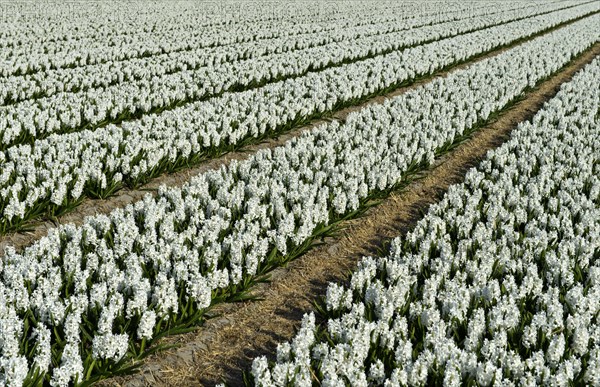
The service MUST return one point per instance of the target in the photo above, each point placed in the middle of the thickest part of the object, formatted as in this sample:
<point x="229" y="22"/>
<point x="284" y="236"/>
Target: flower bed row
<point x="211" y="59"/>
<point x="39" y="45"/>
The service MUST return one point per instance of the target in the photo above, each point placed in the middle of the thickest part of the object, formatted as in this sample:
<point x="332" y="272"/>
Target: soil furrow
<point x="226" y="345"/>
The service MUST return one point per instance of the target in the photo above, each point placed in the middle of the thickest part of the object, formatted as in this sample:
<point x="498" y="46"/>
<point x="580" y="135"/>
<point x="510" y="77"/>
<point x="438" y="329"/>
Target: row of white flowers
<point x="67" y="111"/>
<point x="61" y="168"/>
<point x="498" y="284"/>
<point x="76" y="298"/>
<point x="47" y="83"/>
<point x="176" y="16"/>
<point x="176" y="29"/>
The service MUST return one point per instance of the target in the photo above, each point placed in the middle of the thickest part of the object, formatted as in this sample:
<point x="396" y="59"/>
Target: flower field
<point x="498" y="284"/>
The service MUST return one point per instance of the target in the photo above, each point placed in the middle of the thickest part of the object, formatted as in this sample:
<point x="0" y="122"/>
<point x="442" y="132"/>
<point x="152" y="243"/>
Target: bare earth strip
<point x="123" y="197"/>
<point x="226" y="345"/>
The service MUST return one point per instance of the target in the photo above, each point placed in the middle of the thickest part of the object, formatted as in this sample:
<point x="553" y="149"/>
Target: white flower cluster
<point x="105" y="91"/>
<point x="498" y="284"/>
<point x="119" y="277"/>
<point x="83" y="78"/>
<point x="58" y="169"/>
<point x="174" y="26"/>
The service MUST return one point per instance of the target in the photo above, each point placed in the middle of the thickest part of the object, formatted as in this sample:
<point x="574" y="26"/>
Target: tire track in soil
<point x="226" y="345"/>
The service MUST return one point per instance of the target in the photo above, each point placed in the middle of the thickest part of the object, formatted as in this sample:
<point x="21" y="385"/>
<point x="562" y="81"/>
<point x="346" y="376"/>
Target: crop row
<point x="84" y="298"/>
<point x="66" y="112"/>
<point x="57" y="172"/>
<point x="161" y="38"/>
<point x="46" y="83"/>
<point x="180" y="17"/>
<point x="498" y="284"/>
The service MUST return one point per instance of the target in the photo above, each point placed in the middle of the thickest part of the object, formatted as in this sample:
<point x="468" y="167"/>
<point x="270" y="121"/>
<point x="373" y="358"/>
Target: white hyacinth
<point x="505" y="288"/>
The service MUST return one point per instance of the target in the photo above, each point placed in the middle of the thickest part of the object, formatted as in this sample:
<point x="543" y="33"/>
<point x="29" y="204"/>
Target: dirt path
<point x="227" y="344"/>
